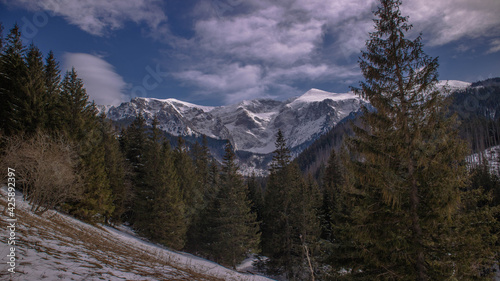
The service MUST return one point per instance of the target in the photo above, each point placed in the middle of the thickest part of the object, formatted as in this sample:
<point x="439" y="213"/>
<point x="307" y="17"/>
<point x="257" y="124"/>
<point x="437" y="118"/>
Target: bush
<point x="45" y="170"/>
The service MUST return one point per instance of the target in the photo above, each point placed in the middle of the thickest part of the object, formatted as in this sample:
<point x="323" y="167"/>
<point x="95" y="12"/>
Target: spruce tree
<point x="1" y="37"/>
<point x="133" y="142"/>
<point x="159" y="206"/>
<point x="75" y="107"/>
<point x="53" y="89"/>
<point x="34" y="101"/>
<point x="11" y="82"/>
<point x="117" y="170"/>
<point x="81" y="125"/>
<point x="201" y="157"/>
<point x="331" y="184"/>
<point x="201" y="160"/>
<point x="290" y="226"/>
<point x="191" y="192"/>
<point x="406" y="167"/>
<point x="255" y="195"/>
<point x="231" y="227"/>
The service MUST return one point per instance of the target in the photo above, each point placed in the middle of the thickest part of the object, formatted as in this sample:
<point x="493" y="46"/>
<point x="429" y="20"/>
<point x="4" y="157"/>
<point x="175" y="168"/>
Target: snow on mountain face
<point x="453" y="85"/>
<point x="249" y="125"/>
<point x="490" y="155"/>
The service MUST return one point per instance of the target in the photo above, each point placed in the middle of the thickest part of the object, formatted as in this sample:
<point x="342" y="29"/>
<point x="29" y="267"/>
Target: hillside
<point x="55" y="246"/>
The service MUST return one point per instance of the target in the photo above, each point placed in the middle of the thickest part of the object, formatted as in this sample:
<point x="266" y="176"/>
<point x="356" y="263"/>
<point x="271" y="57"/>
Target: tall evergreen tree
<point x="1" y="37"/>
<point x="256" y="196"/>
<point x="159" y="213"/>
<point x="231" y="227"/>
<point x="75" y="107"/>
<point x="133" y="142"/>
<point x="81" y="124"/>
<point x="201" y="162"/>
<point x="11" y="82"/>
<point x="53" y="89"/>
<point x="116" y="169"/>
<point x="201" y="157"/>
<point x="331" y="184"/>
<point x="33" y="105"/>
<point x="407" y="164"/>
<point x="285" y="233"/>
<point x="191" y="192"/>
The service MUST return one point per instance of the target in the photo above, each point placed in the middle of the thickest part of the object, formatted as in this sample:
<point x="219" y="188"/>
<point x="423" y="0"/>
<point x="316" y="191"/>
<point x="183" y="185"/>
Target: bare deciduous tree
<point x="46" y="170"/>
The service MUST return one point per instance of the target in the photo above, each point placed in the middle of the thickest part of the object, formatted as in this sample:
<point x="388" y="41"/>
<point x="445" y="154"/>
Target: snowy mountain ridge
<point x="250" y="125"/>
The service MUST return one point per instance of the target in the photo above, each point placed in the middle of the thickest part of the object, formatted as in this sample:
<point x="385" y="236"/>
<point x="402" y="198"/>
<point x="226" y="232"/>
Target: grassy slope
<point x="58" y="247"/>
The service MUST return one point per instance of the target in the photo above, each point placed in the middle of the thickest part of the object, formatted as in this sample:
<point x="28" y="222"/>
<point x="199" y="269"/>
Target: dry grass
<point x="92" y="243"/>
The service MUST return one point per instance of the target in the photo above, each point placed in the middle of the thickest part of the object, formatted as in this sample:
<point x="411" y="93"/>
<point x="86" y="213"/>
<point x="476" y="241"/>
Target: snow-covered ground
<point x="55" y="246"/>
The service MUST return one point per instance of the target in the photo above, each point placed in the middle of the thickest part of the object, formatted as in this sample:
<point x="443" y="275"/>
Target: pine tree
<point x="256" y="196"/>
<point x="201" y="157"/>
<point x="75" y="107"/>
<point x="133" y="142"/>
<point x="11" y="82"/>
<point x="116" y="169"/>
<point x="1" y="37"/>
<point x="331" y="183"/>
<point x="406" y="166"/>
<point x="231" y="227"/>
<point x="96" y="204"/>
<point x="191" y="192"/>
<point x="34" y="101"/>
<point x="53" y="89"/>
<point x="289" y="225"/>
<point x="213" y="181"/>
<point x="159" y="213"/>
<point x="81" y="124"/>
<point x="201" y="161"/>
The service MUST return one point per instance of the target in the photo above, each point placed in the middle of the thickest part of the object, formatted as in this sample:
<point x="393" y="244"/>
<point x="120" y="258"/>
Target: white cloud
<point x="102" y="83"/>
<point x="445" y="21"/>
<point x="260" y="36"/>
<point x="494" y="46"/>
<point x="266" y="47"/>
<point x="229" y="80"/>
<point x="98" y="17"/>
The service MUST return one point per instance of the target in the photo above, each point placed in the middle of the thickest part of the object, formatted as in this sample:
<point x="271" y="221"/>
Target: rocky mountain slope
<point x="250" y="126"/>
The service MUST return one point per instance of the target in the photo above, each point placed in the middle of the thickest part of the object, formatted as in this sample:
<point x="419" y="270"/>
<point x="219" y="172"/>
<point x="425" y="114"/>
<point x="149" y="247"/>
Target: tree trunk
<point x="417" y="230"/>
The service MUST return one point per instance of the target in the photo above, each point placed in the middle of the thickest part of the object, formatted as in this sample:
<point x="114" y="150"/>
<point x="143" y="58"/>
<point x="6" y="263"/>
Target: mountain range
<point x="251" y="126"/>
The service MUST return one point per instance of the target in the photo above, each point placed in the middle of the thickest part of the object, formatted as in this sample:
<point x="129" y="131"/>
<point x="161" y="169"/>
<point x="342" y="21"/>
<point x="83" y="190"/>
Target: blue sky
<point x="214" y="52"/>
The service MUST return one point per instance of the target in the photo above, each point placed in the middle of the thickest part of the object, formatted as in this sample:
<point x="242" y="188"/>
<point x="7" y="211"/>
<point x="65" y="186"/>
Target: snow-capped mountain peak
<point x="315" y="95"/>
<point x="453" y="85"/>
<point x="250" y="125"/>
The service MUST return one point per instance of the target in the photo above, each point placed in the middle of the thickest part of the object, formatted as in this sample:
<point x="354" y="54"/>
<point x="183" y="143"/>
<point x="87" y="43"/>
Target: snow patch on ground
<point x="55" y="246"/>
